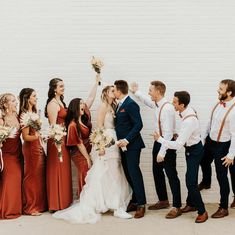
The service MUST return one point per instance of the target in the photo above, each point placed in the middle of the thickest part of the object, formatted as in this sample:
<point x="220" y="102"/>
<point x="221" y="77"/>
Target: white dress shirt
<point x="189" y="132"/>
<point x="228" y="132"/>
<point x="167" y="117"/>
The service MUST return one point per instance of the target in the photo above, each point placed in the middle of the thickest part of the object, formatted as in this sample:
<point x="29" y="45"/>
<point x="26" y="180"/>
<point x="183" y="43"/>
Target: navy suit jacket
<point x="128" y="124"/>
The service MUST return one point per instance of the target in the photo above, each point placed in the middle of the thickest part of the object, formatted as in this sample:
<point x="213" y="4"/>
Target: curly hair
<point x="4" y="98"/>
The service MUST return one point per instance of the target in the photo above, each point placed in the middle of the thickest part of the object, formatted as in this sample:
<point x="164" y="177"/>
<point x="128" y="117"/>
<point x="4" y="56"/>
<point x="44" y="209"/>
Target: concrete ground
<point x="153" y="223"/>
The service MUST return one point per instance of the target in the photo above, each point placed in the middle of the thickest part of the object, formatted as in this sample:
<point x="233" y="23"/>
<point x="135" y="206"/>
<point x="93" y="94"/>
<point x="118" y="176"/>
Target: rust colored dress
<point x="34" y="182"/>
<point x="74" y="139"/>
<point x="10" y="179"/>
<point x="58" y="174"/>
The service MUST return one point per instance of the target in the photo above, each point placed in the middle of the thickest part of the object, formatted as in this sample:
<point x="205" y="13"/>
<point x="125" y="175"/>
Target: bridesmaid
<point x="58" y="174"/>
<point x="10" y="178"/>
<point x="34" y="184"/>
<point x="78" y="124"/>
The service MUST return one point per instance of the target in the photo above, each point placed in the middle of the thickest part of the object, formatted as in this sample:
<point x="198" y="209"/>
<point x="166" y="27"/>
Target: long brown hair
<point x="73" y="114"/>
<point x="51" y="93"/>
<point x="24" y="96"/>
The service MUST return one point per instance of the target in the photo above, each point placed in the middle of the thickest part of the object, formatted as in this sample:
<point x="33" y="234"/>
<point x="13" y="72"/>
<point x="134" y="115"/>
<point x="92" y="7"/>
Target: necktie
<point x="223" y="103"/>
<point x="118" y="107"/>
<point x="180" y="115"/>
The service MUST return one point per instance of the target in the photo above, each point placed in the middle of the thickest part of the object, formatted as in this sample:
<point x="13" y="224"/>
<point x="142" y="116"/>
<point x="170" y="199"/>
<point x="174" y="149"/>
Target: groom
<point x="128" y="126"/>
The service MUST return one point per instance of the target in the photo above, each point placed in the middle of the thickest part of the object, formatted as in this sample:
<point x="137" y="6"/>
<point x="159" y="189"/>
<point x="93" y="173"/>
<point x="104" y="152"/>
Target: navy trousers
<point x="194" y="155"/>
<point x="130" y="163"/>
<point x="169" y="164"/>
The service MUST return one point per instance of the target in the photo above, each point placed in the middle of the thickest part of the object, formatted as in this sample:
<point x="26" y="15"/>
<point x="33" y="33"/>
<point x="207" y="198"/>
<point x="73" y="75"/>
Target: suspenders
<point x="159" y="116"/>
<point x="223" y="121"/>
<point x="190" y="115"/>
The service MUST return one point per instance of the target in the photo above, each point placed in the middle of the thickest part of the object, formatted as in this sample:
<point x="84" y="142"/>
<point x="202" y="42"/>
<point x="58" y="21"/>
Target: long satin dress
<point x="11" y="179"/>
<point x="74" y="139"/>
<point x="58" y="174"/>
<point x="34" y="182"/>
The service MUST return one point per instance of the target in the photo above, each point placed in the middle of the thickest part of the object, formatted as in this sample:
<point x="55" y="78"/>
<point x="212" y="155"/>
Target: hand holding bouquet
<point x="57" y="133"/>
<point x="100" y="139"/>
<point x="31" y="119"/>
<point x="97" y="64"/>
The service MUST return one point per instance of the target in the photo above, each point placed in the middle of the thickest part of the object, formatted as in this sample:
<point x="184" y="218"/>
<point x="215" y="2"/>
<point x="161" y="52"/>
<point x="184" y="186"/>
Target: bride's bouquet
<point x="57" y="133"/>
<point x="100" y="139"/>
<point x="97" y="64"/>
<point x="31" y="119"/>
<point x="5" y="132"/>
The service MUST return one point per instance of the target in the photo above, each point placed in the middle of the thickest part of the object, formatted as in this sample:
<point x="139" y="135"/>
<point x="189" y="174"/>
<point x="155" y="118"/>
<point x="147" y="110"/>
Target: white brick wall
<point x="187" y="44"/>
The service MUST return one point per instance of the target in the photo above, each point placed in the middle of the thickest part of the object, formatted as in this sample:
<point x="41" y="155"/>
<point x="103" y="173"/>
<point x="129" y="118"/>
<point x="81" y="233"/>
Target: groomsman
<point x="188" y="136"/>
<point x="164" y="124"/>
<point x="220" y="145"/>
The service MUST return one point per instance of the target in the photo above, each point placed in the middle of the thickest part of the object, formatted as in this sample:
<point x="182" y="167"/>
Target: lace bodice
<point x="109" y="120"/>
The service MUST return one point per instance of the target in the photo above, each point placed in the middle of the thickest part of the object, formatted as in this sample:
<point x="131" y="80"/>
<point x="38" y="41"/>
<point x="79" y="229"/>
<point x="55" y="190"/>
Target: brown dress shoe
<point x="173" y="213"/>
<point x="233" y="203"/>
<point x="131" y="207"/>
<point x="220" y="213"/>
<point x="202" y="218"/>
<point x="139" y="212"/>
<point x="159" y="205"/>
<point x="188" y="209"/>
<point x="202" y="186"/>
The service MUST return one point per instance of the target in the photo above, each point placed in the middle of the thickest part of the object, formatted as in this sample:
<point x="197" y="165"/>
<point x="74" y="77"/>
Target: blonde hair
<point x="4" y="99"/>
<point x="104" y="96"/>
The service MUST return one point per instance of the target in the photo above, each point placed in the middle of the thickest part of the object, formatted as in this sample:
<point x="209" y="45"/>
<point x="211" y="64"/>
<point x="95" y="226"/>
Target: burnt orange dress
<point x="58" y="174"/>
<point x="74" y="139"/>
<point x="34" y="182"/>
<point x="11" y="179"/>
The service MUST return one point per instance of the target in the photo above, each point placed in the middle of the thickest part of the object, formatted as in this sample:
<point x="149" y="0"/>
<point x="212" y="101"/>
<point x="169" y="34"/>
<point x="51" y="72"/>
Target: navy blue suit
<point x="128" y="124"/>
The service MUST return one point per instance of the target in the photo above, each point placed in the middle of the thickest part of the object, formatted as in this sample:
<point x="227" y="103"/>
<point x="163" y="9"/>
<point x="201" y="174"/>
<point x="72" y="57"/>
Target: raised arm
<point x="101" y="115"/>
<point x="92" y="95"/>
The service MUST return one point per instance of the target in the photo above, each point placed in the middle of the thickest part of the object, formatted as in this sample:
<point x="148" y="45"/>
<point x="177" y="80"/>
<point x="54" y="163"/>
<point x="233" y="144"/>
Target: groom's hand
<point x="122" y="143"/>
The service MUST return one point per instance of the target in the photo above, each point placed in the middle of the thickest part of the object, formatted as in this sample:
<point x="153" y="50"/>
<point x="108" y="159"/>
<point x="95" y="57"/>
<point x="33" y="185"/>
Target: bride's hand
<point x="101" y="152"/>
<point x="89" y="163"/>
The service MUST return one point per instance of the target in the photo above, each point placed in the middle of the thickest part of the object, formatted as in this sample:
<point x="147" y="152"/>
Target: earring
<point x="7" y="110"/>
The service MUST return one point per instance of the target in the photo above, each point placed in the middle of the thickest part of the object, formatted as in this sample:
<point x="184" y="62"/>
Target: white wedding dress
<point x="106" y="186"/>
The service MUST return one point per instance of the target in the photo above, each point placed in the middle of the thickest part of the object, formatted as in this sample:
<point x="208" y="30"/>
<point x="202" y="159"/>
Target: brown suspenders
<point x="159" y="116"/>
<point x="223" y="121"/>
<point x="190" y="115"/>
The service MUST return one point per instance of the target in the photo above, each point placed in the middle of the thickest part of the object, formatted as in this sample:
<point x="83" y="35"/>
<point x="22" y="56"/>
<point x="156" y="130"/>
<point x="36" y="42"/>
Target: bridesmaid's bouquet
<point x="31" y="119"/>
<point x="5" y="132"/>
<point x="57" y="133"/>
<point x="97" y="64"/>
<point x="100" y="139"/>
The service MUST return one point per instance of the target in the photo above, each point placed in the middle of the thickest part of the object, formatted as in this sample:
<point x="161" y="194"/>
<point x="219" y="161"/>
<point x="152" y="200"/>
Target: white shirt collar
<point x="123" y="99"/>
<point x="161" y="102"/>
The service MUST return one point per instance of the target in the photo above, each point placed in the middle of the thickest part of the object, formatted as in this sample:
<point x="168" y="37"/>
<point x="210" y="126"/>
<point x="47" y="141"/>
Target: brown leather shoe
<point x="233" y="203"/>
<point x="202" y="186"/>
<point x="159" y="205"/>
<point x="139" y="212"/>
<point x="187" y="209"/>
<point x="173" y="213"/>
<point x="220" y="213"/>
<point x="202" y="218"/>
<point x="131" y="207"/>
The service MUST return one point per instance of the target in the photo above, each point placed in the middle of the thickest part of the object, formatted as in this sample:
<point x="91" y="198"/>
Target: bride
<point x="106" y="186"/>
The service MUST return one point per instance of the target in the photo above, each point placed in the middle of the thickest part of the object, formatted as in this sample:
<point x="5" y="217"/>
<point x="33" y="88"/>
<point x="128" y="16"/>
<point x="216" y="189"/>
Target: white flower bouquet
<point x="97" y="64"/>
<point x="100" y="139"/>
<point x="31" y="119"/>
<point x="5" y="132"/>
<point x="57" y="133"/>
